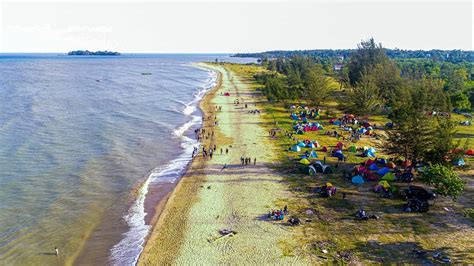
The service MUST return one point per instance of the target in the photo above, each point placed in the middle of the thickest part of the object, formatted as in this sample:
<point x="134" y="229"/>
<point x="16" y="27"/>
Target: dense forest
<point x="302" y="74"/>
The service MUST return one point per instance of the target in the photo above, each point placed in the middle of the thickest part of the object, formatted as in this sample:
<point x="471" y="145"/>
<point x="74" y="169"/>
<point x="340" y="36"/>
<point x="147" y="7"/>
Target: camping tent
<point x="309" y="170"/>
<point x="388" y="176"/>
<point x="369" y="162"/>
<point x="358" y="179"/>
<point x="294" y="117"/>
<point x="382" y="161"/>
<point x="384" y="183"/>
<point x="319" y="166"/>
<point x="338" y="154"/>
<point x="391" y="165"/>
<point x="371" y="152"/>
<point x="383" y="171"/>
<point x="313" y="154"/>
<point x="327" y="170"/>
<point x="339" y="145"/>
<point x="324" y="149"/>
<point x="459" y="162"/>
<point x="301" y="144"/>
<point x="373" y="167"/>
<point x="352" y="149"/>
<point x="304" y="161"/>
<point x="470" y="152"/>
<point x="295" y="148"/>
<point x="311" y="145"/>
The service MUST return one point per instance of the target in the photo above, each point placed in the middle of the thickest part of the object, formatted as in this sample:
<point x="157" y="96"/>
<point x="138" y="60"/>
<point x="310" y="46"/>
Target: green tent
<point x="388" y="176"/>
<point x="352" y="149"/>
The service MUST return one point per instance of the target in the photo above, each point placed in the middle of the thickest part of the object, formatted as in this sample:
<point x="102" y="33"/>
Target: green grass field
<point x="330" y="233"/>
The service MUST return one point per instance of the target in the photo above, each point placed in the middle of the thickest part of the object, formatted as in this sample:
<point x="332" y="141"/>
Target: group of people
<point x="278" y="215"/>
<point x="256" y="111"/>
<point x="218" y="108"/>
<point x="248" y="160"/>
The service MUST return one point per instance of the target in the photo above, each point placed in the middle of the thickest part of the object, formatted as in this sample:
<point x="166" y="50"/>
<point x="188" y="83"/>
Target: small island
<point x="87" y="52"/>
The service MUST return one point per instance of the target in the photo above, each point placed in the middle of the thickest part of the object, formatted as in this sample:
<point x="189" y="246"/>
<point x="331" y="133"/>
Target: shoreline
<point x="210" y="197"/>
<point x="196" y="162"/>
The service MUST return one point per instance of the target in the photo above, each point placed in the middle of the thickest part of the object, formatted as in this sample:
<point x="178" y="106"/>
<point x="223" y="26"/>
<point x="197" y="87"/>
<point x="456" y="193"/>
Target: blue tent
<point x="304" y="157"/>
<point x="373" y="167"/>
<point x="337" y="123"/>
<point x="301" y="144"/>
<point x="459" y="162"/>
<point x="305" y="119"/>
<point x="311" y="145"/>
<point x="362" y="130"/>
<point x="370" y="152"/>
<point x="313" y="154"/>
<point x="383" y="171"/>
<point x="295" y="117"/>
<point x="382" y="161"/>
<point x="339" y="154"/>
<point x="358" y="179"/>
<point x="295" y="148"/>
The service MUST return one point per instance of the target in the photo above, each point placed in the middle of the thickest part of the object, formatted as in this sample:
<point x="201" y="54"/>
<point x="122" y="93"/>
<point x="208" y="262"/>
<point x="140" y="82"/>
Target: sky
<point x="225" y="26"/>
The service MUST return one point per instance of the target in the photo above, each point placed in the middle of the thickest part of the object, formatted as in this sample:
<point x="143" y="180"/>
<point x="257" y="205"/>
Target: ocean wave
<point x="128" y="250"/>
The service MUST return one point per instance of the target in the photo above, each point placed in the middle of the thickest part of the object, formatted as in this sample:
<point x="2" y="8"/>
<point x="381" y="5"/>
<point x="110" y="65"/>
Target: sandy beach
<point x="209" y="198"/>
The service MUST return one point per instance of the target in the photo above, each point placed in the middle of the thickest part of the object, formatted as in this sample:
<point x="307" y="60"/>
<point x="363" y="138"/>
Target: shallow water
<point x="79" y="137"/>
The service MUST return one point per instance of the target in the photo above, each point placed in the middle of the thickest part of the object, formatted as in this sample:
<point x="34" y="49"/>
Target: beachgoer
<point x="56" y="250"/>
<point x="226" y="151"/>
<point x="221" y="151"/>
<point x="254" y="161"/>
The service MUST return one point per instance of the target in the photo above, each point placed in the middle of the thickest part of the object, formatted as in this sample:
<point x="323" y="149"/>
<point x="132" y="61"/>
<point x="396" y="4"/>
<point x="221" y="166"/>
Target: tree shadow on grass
<point x="406" y="252"/>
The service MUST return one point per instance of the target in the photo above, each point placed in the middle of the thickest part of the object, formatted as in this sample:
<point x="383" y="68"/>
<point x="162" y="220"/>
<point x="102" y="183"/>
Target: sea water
<point x="81" y="141"/>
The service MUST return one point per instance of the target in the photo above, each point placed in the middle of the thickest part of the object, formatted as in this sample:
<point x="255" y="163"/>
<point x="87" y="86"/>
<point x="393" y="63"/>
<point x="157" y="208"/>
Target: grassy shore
<point x="209" y="198"/>
<point x="330" y="225"/>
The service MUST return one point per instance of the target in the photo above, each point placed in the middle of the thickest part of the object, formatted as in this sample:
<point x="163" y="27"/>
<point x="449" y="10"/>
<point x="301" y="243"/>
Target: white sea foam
<point x="128" y="250"/>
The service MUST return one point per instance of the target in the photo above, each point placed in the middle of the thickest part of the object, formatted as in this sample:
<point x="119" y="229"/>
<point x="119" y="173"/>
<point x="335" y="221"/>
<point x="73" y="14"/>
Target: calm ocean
<point x="81" y="140"/>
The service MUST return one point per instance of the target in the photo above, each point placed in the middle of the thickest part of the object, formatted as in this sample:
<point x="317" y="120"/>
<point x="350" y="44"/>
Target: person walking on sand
<point x="56" y="250"/>
<point x="255" y="161"/>
<point x="226" y="150"/>
<point x="221" y="151"/>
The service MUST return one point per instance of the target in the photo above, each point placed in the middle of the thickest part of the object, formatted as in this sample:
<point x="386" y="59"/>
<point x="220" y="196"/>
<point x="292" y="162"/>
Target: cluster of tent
<point x="372" y="170"/>
<point x="300" y="128"/>
<point x="367" y="151"/>
<point x="317" y="167"/>
<point x="311" y="144"/>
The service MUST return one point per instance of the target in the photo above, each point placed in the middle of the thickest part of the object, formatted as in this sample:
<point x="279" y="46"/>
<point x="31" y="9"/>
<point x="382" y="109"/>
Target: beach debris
<point x="223" y="234"/>
<point x="294" y="221"/>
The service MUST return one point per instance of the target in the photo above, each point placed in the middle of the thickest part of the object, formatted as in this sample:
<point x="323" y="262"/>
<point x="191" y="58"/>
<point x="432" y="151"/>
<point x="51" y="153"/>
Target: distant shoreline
<point x="98" y="53"/>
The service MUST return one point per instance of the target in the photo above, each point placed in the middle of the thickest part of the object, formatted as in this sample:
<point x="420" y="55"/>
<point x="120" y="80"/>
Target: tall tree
<point x="316" y="85"/>
<point x="365" y="97"/>
<point x="364" y="59"/>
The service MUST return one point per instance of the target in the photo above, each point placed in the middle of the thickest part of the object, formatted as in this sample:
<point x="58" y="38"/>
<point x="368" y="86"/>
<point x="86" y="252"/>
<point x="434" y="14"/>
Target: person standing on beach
<point x="56" y="250"/>
<point x="226" y="150"/>
<point x="254" y="161"/>
<point x="221" y="151"/>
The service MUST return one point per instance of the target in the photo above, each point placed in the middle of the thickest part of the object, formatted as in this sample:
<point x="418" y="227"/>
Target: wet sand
<point x="209" y="198"/>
